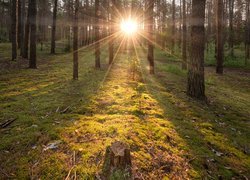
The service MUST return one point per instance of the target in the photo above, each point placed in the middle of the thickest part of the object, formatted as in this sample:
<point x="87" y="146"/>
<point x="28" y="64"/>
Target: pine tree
<point x="14" y="28"/>
<point x="33" y="13"/>
<point x="53" y="33"/>
<point x="97" y="35"/>
<point x="150" y="28"/>
<point x="184" y="36"/>
<point x="219" y="36"/>
<point x="27" y="34"/>
<point x="196" y="84"/>
<point x="75" y="41"/>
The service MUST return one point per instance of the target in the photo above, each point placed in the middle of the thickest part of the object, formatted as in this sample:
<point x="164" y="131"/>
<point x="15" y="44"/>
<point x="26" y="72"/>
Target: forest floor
<point x="62" y="127"/>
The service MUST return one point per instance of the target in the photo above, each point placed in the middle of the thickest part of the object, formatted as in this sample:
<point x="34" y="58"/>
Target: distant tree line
<point x="189" y="27"/>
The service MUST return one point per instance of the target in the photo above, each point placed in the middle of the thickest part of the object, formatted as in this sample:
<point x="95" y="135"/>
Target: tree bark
<point x="184" y="36"/>
<point x="150" y="28"/>
<point x="164" y="13"/>
<point x="173" y="28"/>
<point x="14" y="28"/>
<point x="209" y="23"/>
<point x="27" y="34"/>
<point x="53" y="33"/>
<point x="97" y="35"/>
<point x="247" y="33"/>
<point x="33" y="13"/>
<point x="111" y="33"/>
<point x="231" y="28"/>
<point x="117" y="162"/>
<point x="219" y="36"/>
<point x="180" y="26"/>
<point x="196" y="84"/>
<point x="22" y="19"/>
<point x="75" y="41"/>
<point x="19" y="24"/>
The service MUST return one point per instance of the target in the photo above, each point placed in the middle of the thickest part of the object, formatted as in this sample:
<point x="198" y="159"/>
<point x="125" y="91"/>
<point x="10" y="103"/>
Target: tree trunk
<point x="111" y="32"/>
<point x="184" y="36"/>
<point x="33" y="13"/>
<point x="19" y="24"/>
<point x="117" y="162"/>
<point x="219" y="36"/>
<point x="97" y="35"/>
<point x="231" y="29"/>
<point x="27" y="34"/>
<point x="150" y="28"/>
<point x="53" y="33"/>
<point x="173" y="28"/>
<point x="75" y="42"/>
<point x="10" y="20"/>
<point x="22" y="19"/>
<point x="196" y="84"/>
<point x="14" y="28"/>
<point x="209" y="23"/>
<point x="247" y="33"/>
<point x="164" y="13"/>
<point x="180" y="26"/>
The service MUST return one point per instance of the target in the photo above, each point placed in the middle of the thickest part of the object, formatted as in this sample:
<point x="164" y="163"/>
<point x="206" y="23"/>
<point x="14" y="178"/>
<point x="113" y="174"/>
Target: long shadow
<point x="214" y="150"/>
<point x="43" y="101"/>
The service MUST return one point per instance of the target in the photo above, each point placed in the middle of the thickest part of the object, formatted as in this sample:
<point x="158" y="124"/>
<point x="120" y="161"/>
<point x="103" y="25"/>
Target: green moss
<point x="150" y="113"/>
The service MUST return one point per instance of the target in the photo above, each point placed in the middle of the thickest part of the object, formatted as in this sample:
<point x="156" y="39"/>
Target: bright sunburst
<point x="129" y="27"/>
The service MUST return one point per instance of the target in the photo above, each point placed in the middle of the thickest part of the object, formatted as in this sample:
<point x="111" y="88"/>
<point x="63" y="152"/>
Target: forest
<point x="125" y="89"/>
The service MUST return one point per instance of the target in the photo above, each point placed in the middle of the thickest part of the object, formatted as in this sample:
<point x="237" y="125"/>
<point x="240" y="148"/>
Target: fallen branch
<point x="7" y="123"/>
<point x="65" y="110"/>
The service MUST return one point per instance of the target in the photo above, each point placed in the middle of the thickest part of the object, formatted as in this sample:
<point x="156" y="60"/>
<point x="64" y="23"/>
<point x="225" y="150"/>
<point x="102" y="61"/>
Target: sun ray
<point x="110" y="66"/>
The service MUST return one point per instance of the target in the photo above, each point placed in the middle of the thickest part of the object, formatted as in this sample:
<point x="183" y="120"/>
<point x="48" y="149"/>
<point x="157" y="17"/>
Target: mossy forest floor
<point x="170" y="135"/>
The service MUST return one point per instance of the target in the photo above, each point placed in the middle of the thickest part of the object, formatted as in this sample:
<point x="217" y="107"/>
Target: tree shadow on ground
<point x="215" y="135"/>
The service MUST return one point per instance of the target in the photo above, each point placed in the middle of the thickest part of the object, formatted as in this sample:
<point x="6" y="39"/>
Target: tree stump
<point x="117" y="162"/>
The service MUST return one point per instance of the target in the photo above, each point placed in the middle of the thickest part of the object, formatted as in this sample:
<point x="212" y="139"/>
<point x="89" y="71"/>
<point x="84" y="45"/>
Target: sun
<point x="129" y="27"/>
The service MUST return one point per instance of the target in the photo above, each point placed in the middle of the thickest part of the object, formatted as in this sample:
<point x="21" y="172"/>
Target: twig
<point x="57" y="110"/>
<point x="67" y="178"/>
<point x="7" y="123"/>
<point x="74" y="160"/>
<point x="65" y="110"/>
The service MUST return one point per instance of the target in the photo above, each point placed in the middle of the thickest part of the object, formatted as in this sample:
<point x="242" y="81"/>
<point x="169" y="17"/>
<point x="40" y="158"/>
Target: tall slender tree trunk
<point x="184" y="36"/>
<point x="75" y="41"/>
<point x="209" y="23"/>
<point x="69" y="18"/>
<point x="173" y="27"/>
<point x="231" y="28"/>
<point x="53" y="33"/>
<point x="219" y="36"/>
<point x="22" y="19"/>
<point x="164" y="13"/>
<point x="111" y="32"/>
<point x="180" y="26"/>
<point x="27" y="34"/>
<point x="150" y="28"/>
<point x="14" y="23"/>
<point x="196" y="84"/>
<point x="33" y="13"/>
<point x="19" y="24"/>
<point x="10" y="20"/>
<point x="97" y="34"/>
<point x="247" y="56"/>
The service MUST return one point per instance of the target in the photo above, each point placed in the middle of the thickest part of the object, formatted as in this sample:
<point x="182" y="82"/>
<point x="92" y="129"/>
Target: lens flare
<point x="129" y="27"/>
